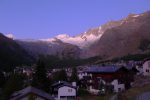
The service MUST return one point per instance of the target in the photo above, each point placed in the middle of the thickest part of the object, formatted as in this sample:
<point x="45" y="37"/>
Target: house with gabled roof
<point x="117" y="76"/>
<point x="31" y="92"/>
<point x="64" y="91"/>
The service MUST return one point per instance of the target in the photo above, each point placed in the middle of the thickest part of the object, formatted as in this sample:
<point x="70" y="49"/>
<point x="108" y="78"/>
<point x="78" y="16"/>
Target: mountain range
<point x="126" y="37"/>
<point x="130" y="35"/>
<point x="12" y="54"/>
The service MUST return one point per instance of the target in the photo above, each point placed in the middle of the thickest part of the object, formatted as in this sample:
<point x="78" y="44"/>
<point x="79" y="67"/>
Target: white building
<point x="117" y="87"/>
<point x="146" y="68"/>
<point x="81" y="74"/>
<point x="64" y="91"/>
<point x="140" y="69"/>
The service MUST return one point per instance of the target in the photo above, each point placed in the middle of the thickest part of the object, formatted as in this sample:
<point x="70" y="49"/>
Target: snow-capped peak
<point x="136" y="16"/>
<point x="100" y="29"/>
<point x="11" y="36"/>
<point x="62" y="36"/>
<point x="81" y="41"/>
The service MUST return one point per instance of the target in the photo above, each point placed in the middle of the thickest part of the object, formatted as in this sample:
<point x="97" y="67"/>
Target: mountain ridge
<point x="12" y="54"/>
<point x="125" y="38"/>
<point x="108" y="41"/>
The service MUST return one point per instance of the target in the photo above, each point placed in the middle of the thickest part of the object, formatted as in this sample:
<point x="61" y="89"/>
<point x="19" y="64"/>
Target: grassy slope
<point x="132" y="93"/>
<point x="141" y="85"/>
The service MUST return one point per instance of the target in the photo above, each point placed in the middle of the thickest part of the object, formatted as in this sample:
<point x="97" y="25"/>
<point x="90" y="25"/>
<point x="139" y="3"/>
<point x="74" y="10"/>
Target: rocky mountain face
<point x="85" y="39"/>
<point x="55" y="47"/>
<point x="78" y="44"/>
<point x="124" y="38"/>
<point x="12" y="54"/>
<point x="65" y="46"/>
<point x="130" y="35"/>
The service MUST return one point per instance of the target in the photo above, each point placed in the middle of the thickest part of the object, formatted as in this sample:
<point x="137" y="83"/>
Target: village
<point x="75" y="50"/>
<point x="98" y="80"/>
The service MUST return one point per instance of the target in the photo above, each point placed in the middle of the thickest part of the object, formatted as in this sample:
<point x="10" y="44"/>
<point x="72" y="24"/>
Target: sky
<point x="39" y="19"/>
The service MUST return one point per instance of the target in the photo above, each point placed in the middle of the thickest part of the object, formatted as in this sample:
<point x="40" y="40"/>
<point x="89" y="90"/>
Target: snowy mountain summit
<point x="81" y="40"/>
<point x="104" y="41"/>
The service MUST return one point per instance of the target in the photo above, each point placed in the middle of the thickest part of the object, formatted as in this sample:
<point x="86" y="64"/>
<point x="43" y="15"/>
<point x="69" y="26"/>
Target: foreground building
<point x="31" y="92"/>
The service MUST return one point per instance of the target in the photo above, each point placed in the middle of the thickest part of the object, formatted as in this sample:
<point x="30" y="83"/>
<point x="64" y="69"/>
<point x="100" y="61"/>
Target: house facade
<point x="81" y="74"/>
<point x="146" y="68"/>
<point x="117" y="77"/>
<point x="118" y="86"/>
<point x="64" y="91"/>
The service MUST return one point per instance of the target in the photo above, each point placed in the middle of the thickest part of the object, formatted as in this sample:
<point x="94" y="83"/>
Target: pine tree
<point x="60" y="76"/>
<point x="63" y="75"/>
<point x="40" y="79"/>
<point x="2" y="79"/>
<point x="74" y="76"/>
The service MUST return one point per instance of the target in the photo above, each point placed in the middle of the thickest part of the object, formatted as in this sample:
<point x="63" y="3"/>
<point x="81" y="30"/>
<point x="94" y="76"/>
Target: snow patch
<point x="136" y="16"/>
<point x="62" y="36"/>
<point x="99" y="29"/>
<point x="48" y="40"/>
<point x="81" y="41"/>
<point x="11" y="36"/>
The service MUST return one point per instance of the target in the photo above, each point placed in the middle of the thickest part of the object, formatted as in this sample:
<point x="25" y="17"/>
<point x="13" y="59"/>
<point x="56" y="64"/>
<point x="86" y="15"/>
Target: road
<point x="144" y="96"/>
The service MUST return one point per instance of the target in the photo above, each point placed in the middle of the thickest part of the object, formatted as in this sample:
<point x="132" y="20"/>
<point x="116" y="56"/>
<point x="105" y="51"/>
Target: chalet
<point x="81" y="74"/>
<point x="146" y="68"/>
<point x="64" y="91"/>
<point x="31" y="92"/>
<point x="140" y="69"/>
<point x="119" y="77"/>
<point x="28" y="71"/>
<point x="118" y="86"/>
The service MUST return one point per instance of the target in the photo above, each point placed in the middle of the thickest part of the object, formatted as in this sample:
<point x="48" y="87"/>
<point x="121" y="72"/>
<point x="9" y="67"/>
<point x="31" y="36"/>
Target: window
<point x="147" y="70"/>
<point x="69" y="90"/>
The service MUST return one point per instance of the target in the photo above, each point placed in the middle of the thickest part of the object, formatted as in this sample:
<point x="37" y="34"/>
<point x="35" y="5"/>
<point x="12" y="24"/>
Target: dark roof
<point x="61" y="84"/>
<point x="105" y="69"/>
<point x="19" y="94"/>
